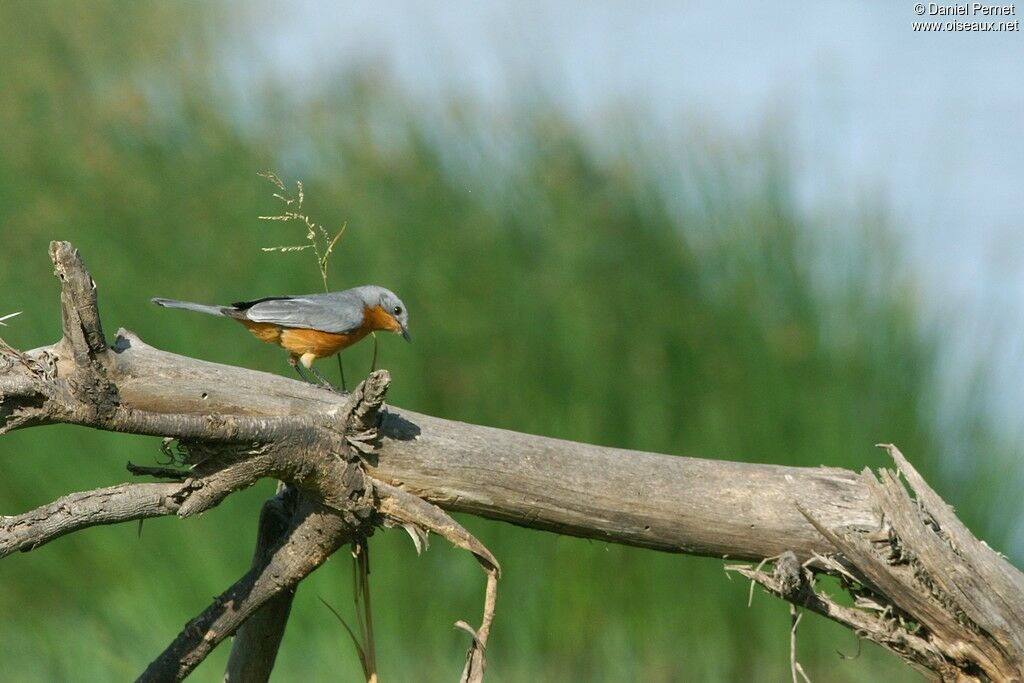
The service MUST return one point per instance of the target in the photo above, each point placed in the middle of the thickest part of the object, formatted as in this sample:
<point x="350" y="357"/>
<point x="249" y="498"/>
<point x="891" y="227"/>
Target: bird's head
<point x="396" y="311"/>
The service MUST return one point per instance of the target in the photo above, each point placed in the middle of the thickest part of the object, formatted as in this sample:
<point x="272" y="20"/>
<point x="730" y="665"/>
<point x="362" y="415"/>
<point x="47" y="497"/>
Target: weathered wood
<point x="670" y="503"/>
<point x="256" y="642"/>
<point x="665" y="502"/>
<point x="315" y="533"/>
<point x="110" y="505"/>
<point x="923" y="585"/>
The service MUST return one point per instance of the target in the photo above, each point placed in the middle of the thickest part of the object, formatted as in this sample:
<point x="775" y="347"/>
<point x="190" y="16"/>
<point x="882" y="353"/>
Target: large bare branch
<point x="672" y="503"/>
<point x="923" y="586"/>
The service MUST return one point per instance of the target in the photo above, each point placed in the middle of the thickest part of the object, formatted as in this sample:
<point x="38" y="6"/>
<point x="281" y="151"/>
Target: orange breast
<point x="267" y="332"/>
<point x="300" y="342"/>
<point x="320" y="344"/>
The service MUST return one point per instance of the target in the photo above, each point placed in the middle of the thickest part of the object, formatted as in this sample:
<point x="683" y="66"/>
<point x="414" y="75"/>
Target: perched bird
<point x="313" y="325"/>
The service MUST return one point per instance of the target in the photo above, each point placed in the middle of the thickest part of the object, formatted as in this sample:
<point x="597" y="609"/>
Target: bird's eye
<point x="398" y="310"/>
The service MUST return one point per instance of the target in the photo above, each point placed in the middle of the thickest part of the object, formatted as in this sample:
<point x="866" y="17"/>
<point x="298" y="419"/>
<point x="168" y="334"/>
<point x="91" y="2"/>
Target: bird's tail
<point x="189" y="306"/>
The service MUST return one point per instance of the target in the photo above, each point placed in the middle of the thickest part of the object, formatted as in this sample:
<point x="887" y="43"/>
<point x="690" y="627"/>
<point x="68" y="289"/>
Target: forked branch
<point x="923" y="586"/>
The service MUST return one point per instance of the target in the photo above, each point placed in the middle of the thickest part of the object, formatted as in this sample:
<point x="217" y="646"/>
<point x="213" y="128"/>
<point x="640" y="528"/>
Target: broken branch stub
<point x="922" y="584"/>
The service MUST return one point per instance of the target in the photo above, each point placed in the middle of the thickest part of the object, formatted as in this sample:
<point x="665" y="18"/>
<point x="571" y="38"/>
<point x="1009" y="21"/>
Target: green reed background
<point x="597" y="285"/>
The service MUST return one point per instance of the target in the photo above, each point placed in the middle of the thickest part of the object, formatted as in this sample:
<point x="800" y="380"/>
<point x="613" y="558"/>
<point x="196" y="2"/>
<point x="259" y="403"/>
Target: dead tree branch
<point x="256" y="642"/>
<point x="111" y="505"/>
<point x="923" y="586"/>
<point x="315" y="533"/>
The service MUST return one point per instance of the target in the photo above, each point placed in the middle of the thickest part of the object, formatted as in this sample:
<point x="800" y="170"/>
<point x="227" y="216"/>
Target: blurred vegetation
<point x="603" y="288"/>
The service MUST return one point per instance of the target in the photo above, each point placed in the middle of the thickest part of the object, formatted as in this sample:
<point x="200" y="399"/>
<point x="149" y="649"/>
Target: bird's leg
<point x="306" y="360"/>
<point x="323" y="380"/>
<point x="300" y="363"/>
<point x="294" y="362"/>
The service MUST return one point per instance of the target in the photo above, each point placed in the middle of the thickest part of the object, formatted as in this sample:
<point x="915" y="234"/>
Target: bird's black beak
<point x="405" y="334"/>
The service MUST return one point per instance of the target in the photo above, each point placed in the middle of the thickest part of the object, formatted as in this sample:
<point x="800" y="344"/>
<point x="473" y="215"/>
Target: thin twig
<point x="364" y="609"/>
<point x="794" y="666"/>
<point x="750" y="596"/>
<point x="355" y="641"/>
<point x="341" y="371"/>
<point x="320" y="241"/>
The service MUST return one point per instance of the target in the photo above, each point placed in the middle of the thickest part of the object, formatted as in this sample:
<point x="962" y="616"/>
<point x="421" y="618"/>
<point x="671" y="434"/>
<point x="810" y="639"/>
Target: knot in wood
<point x="353" y="498"/>
<point x="97" y="397"/>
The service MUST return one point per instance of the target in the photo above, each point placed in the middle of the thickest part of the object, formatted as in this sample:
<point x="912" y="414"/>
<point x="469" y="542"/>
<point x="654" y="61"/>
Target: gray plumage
<point x="335" y="312"/>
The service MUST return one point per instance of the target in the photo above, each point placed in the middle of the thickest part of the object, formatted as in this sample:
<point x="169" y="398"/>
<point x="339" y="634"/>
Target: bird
<point x="312" y="326"/>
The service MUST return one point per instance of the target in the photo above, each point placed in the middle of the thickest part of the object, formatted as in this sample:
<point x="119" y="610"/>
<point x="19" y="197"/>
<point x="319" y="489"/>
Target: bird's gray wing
<point x="337" y="312"/>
